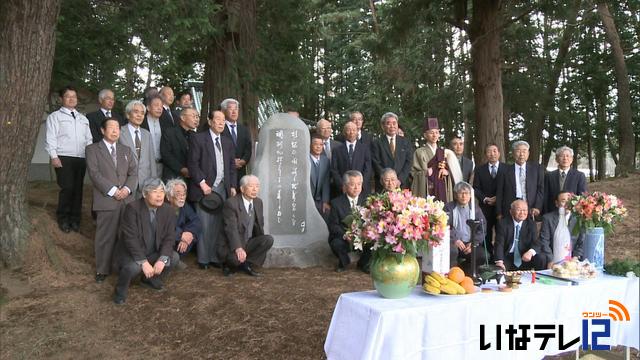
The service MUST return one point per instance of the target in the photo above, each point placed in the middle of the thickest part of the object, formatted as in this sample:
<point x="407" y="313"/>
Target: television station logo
<point x="596" y="327"/>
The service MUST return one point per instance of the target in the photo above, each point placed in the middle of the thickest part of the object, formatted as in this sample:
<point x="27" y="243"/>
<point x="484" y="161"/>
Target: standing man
<point x="517" y="246"/>
<point x="106" y="99"/>
<point x="341" y="207"/>
<point x="466" y="165"/>
<point x="174" y="146"/>
<point x="352" y="155"/>
<point x="522" y="180"/>
<point x="68" y="133"/>
<point x="212" y="169"/>
<point x="391" y="151"/>
<point x="238" y="134"/>
<point x="320" y="175"/>
<point x="563" y="179"/>
<point x="167" y="119"/>
<point x="139" y="141"/>
<point x="148" y="233"/>
<point x="323" y="127"/>
<point x="153" y="123"/>
<point x="184" y="101"/>
<point x="246" y="243"/>
<point x="364" y="137"/>
<point x="113" y="172"/>
<point x="435" y="170"/>
<point x="485" y="185"/>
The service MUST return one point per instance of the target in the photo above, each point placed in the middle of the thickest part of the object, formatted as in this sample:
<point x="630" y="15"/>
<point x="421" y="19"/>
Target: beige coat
<point x="421" y="158"/>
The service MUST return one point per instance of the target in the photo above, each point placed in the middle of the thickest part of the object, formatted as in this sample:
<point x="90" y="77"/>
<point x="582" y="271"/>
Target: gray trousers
<point x="107" y="226"/>
<point x="212" y="231"/>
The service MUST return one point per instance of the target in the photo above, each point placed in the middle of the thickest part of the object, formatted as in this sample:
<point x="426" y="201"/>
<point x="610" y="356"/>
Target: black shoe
<point x="100" y="278"/>
<point x="215" y="265"/>
<point x="249" y="271"/>
<point x="226" y="271"/>
<point x="64" y="226"/>
<point x="364" y="269"/>
<point x="118" y="300"/>
<point x="153" y="283"/>
<point x="75" y="227"/>
<point x="340" y="269"/>
<point x="203" y="266"/>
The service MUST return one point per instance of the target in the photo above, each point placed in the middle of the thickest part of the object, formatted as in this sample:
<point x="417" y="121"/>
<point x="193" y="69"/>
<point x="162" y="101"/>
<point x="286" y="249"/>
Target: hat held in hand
<point x="211" y="202"/>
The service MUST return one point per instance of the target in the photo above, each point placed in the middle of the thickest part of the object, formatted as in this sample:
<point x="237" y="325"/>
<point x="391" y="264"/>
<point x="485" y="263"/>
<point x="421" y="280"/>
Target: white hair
<point x="562" y="149"/>
<point x="103" y="93"/>
<point x="225" y="103"/>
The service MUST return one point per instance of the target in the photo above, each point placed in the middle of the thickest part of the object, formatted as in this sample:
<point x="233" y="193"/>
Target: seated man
<point x="516" y="245"/>
<point x="389" y="180"/>
<point x="341" y="207"/>
<point x="188" y="226"/>
<point x="148" y="233"/>
<point x="245" y="244"/>
<point x="459" y="212"/>
<point x="553" y="247"/>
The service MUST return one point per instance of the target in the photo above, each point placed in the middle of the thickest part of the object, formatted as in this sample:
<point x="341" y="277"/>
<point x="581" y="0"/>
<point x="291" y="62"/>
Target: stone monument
<point x="290" y="216"/>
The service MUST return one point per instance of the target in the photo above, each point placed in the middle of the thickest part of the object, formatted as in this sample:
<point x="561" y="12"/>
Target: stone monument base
<point x="316" y="254"/>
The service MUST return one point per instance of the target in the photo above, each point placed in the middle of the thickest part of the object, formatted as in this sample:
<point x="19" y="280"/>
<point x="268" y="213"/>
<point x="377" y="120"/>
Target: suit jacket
<point x="466" y="165"/>
<point x="95" y="123"/>
<point x="361" y="161"/>
<point x="485" y="186"/>
<point x="454" y="230"/>
<point x="321" y="191"/>
<point x="549" y="224"/>
<point x="136" y="230"/>
<point x="381" y="158"/>
<point x="174" y="148"/>
<point x="505" y="232"/>
<point x="506" y="192"/>
<point x="236" y="220"/>
<point x="105" y="175"/>
<point x="165" y="122"/>
<point x="167" y="118"/>
<point x="147" y="162"/>
<point x="201" y="162"/>
<point x="340" y="208"/>
<point x="574" y="182"/>
<point x="188" y="221"/>
<point x="243" y="146"/>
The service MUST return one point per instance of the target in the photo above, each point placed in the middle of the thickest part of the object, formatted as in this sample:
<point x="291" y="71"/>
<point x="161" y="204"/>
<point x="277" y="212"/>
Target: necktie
<point x="138" y="143"/>
<point x="353" y="204"/>
<point x="392" y="146"/>
<point x="218" y="144"/>
<point x="563" y="177"/>
<point x="517" y="258"/>
<point x="108" y="114"/>
<point x="234" y="136"/>
<point x="523" y="184"/>
<point x="250" y="223"/>
<point x="350" y="152"/>
<point x="114" y="157"/>
<point x="493" y="171"/>
<point x="73" y="113"/>
<point x="327" y="149"/>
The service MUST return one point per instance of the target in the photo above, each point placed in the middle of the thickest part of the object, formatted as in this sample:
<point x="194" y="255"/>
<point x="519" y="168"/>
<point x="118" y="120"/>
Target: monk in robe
<point x="435" y="170"/>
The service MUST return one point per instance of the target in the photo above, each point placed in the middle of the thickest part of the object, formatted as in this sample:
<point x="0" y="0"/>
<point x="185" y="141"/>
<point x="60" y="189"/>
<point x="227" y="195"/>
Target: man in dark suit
<point x="364" y="137"/>
<point x="517" y="246"/>
<point x="340" y="208"/>
<point x="391" y="151"/>
<point x="550" y="221"/>
<point x="148" y="233"/>
<point x="466" y="165"/>
<point x="167" y="96"/>
<point x="564" y="178"/>
<point x="112" y="168"/>
<point x="188" y="226"/>
<point x="352" y="155"/>
<point x="320" y="172"/>
<point x="246" y="243"/>
<point x="184" y="101"/>
<point x="106" y="99"/>
<point x="174" y="146"/>
<point x="460" y="210"/>
<point x="522" y="180"/>
<point x="485" y="185"/>
<point x="212" y="169"/>
<point x="238" y="134"/>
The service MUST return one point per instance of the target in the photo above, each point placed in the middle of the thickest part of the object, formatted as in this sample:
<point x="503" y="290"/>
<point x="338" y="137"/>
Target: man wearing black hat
<point x="435" y="169"/>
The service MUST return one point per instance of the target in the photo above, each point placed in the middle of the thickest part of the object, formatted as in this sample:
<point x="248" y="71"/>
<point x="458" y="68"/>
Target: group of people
<point x="144" y="225"/>
<point x="161" y="188"/>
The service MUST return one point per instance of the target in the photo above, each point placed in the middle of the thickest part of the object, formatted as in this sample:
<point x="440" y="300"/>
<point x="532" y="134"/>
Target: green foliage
<point x="622" y="267"/>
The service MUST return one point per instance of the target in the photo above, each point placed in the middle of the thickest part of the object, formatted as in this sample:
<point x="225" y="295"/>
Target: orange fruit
<point x="467" y="285"/>
<point x="456" y="274"/>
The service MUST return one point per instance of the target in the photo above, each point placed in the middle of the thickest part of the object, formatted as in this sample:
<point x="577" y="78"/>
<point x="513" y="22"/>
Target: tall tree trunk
<point x="589" y="144"/>
<point x="601" y="141"/>
<point x="27" y="44"/>
<point x="625" y="128"/>
<point x="248" y="75"/>
<point x="486" y="59"/>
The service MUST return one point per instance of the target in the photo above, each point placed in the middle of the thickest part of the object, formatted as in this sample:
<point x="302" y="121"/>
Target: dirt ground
<point x="52" y="307"/>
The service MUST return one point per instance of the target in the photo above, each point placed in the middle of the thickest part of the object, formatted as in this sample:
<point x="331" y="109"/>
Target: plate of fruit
<point x="454" y="283"/>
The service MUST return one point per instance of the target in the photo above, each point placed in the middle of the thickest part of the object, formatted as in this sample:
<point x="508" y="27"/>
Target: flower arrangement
<point x="397" y="223"/>
<point x="596" y="210"/>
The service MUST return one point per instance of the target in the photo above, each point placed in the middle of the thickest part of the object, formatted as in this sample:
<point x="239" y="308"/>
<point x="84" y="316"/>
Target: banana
<point x="432" y="281"/>
<point x="441" y="279"/>
<point x="459" y="289"/>
<point x="431" y="289"/>
<point x="449" y="289"/>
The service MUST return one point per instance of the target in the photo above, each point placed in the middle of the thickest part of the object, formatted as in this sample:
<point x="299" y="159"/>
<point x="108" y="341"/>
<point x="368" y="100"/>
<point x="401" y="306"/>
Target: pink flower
<point x="398" y="248"/>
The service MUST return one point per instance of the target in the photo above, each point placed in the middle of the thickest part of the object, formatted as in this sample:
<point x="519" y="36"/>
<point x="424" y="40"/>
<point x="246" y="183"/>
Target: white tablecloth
<point x="421" y="326"/>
